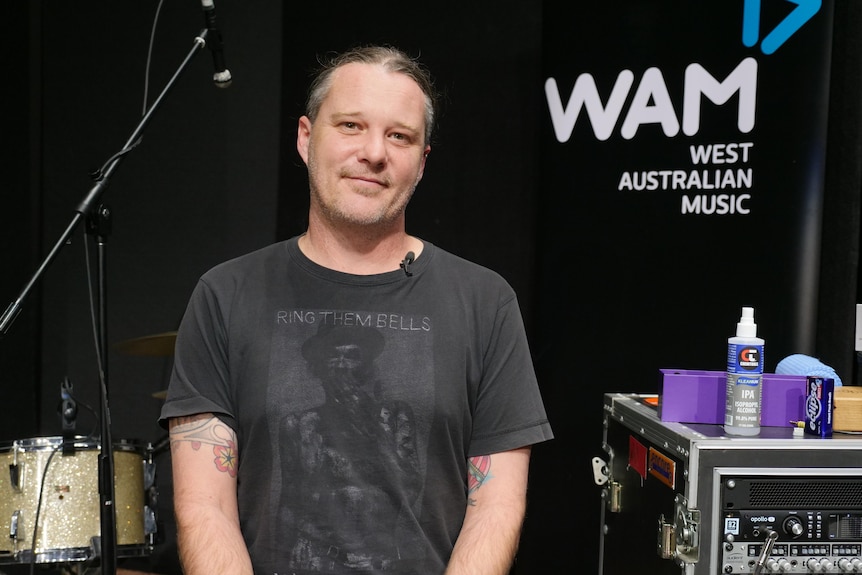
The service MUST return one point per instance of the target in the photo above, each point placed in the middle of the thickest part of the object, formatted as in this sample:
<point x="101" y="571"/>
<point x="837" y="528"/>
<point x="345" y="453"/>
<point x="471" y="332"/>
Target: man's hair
<point x="392" y="59"/>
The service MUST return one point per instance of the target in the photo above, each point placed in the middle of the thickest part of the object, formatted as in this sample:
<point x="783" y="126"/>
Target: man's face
<point x="366" y="150"/>
<point x="344" y="357"/>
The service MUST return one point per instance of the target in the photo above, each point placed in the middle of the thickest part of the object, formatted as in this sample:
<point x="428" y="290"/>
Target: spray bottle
<point x="744" y="377"/>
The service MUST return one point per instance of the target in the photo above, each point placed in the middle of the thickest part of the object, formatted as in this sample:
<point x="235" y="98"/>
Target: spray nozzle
<point x="746" y="326"/>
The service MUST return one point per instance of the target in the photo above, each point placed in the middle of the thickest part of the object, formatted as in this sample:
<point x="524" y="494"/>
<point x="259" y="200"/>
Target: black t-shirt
<point x="357" y="401"/>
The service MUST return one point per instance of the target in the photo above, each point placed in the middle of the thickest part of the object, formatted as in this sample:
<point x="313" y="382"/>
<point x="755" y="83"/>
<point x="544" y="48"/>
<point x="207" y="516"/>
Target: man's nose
<point x="374" y="149"/>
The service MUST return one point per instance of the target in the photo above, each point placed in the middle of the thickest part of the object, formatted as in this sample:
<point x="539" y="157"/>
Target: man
<point x="354" y="400"/>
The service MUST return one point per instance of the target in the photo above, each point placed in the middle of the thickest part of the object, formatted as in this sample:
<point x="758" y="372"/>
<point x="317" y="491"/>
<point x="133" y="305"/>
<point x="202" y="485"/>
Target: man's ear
<point x="303" y="133"/>
<point x="422" y="166"/>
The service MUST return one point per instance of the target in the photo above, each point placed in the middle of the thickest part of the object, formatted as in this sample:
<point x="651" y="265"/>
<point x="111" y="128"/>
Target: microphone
<point x="405" y="263"/>
<point x="221" y="77"/>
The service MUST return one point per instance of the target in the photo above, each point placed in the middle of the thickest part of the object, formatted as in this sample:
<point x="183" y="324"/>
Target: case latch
<point x="681" y="540"/>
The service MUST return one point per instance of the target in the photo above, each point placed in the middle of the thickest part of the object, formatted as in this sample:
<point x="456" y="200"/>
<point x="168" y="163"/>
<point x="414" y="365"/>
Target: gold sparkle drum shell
<point x="50" y="501"/>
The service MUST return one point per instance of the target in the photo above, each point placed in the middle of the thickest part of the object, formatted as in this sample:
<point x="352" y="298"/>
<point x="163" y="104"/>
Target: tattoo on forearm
<point x="210" y="431"/>
<point x="478" y="472"/>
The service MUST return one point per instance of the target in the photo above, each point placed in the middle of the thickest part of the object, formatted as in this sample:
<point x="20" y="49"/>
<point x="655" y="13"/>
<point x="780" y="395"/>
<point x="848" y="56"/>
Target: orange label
<point x="662" y="467"/>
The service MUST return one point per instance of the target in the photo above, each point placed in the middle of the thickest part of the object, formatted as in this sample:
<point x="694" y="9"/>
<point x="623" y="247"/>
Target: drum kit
<point x="50" y="501"/>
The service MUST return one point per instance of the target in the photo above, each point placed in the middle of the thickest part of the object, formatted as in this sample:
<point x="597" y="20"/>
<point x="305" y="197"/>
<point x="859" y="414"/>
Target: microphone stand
<point x="99" y="225"/>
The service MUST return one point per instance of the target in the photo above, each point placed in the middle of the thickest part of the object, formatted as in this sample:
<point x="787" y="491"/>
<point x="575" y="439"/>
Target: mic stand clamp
<point x="68" y="415"/>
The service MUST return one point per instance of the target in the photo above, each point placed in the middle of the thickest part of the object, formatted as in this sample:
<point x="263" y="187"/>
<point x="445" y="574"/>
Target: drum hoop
<point x="79" y="442"/>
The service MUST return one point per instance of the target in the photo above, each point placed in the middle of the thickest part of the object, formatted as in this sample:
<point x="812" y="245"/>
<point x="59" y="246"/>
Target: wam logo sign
<point x="803" y="12"/>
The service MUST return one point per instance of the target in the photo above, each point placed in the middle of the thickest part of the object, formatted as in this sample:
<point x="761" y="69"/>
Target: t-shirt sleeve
<point x="509" y="410"/>
<point x="200" y="377"/>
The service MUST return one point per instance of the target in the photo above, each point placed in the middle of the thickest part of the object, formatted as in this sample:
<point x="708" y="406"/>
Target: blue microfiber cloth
<point x="800" y="364"/>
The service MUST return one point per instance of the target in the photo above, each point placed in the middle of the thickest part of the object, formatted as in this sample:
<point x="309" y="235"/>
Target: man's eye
<point x="350" y="125"/>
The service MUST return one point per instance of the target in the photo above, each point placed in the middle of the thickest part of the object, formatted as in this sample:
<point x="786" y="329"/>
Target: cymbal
<point x="161" y="394"/>
<point x="159" y="344"/>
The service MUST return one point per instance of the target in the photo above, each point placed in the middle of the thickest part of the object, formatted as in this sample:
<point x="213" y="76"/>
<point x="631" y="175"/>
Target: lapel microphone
<point x="405" y="263"/>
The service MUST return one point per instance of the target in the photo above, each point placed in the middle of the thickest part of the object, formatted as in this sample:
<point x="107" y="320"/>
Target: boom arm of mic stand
<point x="107" y="547"/>
<point x="95" y="193"/>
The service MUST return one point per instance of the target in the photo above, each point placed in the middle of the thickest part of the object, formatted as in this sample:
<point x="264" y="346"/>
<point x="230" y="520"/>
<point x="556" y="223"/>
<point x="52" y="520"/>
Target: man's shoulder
<point x="465" y="268"/>
<point x="253" y="258"/>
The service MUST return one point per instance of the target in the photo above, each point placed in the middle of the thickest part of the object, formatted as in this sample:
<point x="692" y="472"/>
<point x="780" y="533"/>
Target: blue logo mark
<point x="803" y="12"/>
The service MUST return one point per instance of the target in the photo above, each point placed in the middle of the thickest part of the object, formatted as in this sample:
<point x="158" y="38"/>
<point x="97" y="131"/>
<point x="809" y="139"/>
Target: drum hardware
<point x="14" y="475"/>
<point x="13" y="527"/>
<point x="163" y="444"/>
<point x="151" y="491"/>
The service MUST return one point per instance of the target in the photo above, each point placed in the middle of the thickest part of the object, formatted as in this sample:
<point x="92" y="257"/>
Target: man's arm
<point x="495" y="513"/>
<point x="204" y="462"/>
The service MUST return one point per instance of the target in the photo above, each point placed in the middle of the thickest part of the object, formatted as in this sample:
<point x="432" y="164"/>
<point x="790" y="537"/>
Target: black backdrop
<point x="217" y="175"/>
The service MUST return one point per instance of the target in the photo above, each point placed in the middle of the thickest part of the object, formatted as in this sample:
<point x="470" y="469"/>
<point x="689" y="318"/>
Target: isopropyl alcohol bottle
<point x="744" y="377"/>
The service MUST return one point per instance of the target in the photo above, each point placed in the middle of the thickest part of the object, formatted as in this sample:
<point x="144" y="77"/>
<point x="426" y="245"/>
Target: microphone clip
<point x="405" y="263"/>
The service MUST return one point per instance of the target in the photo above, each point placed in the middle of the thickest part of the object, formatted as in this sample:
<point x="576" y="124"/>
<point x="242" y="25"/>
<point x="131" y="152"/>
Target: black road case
<point x="685" y="498"/>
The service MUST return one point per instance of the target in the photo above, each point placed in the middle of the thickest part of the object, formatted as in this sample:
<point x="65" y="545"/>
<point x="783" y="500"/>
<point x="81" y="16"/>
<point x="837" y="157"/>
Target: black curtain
<point x="20" y="361"/>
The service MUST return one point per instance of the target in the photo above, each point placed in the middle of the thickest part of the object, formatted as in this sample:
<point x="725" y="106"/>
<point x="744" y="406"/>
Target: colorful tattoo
<point x="478" y="472"/>
<point x="225" y="458"/>
<point x="210" y="431"/>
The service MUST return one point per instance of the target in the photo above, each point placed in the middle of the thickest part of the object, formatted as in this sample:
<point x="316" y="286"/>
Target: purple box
<point x="698" y="396"/>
